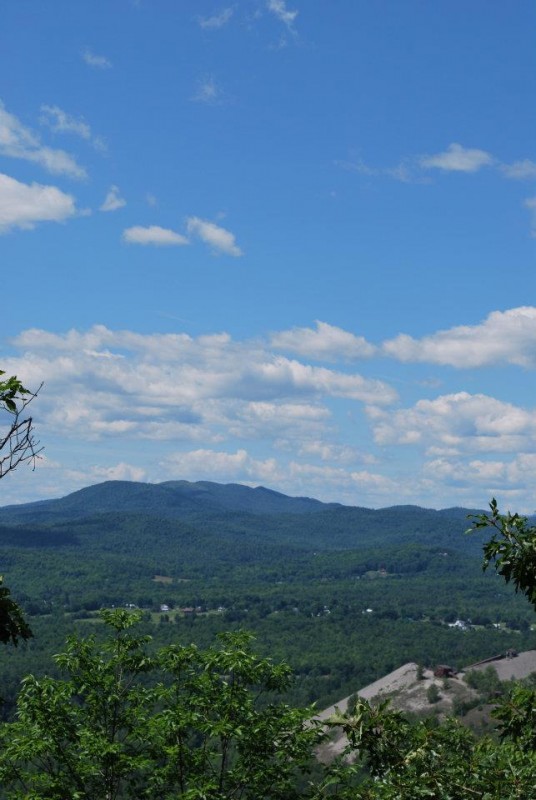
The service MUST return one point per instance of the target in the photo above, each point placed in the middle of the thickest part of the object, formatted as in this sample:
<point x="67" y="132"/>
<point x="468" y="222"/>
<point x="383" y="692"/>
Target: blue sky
<point x="274" y="242"/>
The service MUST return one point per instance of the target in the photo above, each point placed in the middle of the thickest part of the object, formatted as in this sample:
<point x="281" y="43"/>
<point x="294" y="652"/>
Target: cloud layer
<point x="212" y="407"/>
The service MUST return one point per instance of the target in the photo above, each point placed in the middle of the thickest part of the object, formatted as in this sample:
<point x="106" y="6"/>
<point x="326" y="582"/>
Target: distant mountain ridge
<point x="245" y="516"/>
<point x="169" y="499"/>
<point x="180" y="498"/>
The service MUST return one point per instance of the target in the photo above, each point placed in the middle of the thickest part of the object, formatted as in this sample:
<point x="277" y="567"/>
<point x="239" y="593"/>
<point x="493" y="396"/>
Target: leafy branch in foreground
<point x="181" y="722"/>
<point x="17" y="441"/>
<point x="511" y="549"/>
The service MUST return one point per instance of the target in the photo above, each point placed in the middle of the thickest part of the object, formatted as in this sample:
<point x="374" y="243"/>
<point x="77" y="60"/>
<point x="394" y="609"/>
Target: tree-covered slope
<point x="344" y="594"/>
<point x="168" y="499"/>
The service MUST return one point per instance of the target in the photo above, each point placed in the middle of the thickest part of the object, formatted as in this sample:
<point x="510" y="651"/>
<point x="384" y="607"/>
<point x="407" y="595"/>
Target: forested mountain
<point x="228" y="510"/>
<point x="168" y="499"/>
<point x="344" y="594"/>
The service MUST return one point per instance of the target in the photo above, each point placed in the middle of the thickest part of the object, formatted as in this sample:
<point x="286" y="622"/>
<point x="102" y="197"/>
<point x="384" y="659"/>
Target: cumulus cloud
<point x="277" y="420"/>
<point x="113" y="200"/>
<point x="334" y="453"/>
<point x="115" y="472"/>
<point x="280" y="10"/>
<point x="212" y="407"/>
<point x="458" y="159"/>
<point x="351" y="486"/>
<point x="502" y="478"/>
<point x="17" y="141"/>
<point x="503" y="337"/>
<point x="152" y="235"/>
<point x="327" y="343"/>
<point x="95" y="61"/>
<point x="219" y="239"/>
<point x="176" y="388"/>
<point x="293" y="477"/>
<point x="217" y="21"/>
<point x="277" y="373"/>
<point x="23" y="205"/>
<point x="458" y="423"/>
<point x="220" y="465"/>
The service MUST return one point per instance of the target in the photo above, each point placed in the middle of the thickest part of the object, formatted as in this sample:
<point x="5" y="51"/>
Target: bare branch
<point x="18" y="444"/>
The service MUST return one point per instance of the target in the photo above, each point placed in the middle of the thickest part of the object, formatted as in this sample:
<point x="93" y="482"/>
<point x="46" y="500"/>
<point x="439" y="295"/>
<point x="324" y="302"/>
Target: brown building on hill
<point x="444" y="671"/>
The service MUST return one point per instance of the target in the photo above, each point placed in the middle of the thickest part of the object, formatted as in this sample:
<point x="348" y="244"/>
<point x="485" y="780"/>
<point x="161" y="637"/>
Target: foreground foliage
<point x="177" y="723"/>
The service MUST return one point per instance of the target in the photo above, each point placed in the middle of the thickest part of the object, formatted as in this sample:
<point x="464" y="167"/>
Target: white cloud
<point x="23" y="205"/>
<point x="519" y="170"/>
<point x="280" y="10"/>
<point x="220" y="239"/>
<point x="292" y="478"/>
<point x="96" y="61"/>
<point x="286" y="421"/>
<point x="209" y="406"/>
<point x="504" y="337"/>
<point x="327" y="482"/>
<point x="335" y="453"/>
<point x="530" y="203"/>
<point x="277" y="373"/>
<point x="217" y="21"/>
<point x="476" y="471"/>
<point x="115" y="472"/>
<point x="220" y="465"/>
<point x="60" y="121"/>
<point x="113" y="200"/>
<point x="152" y="234"/>
<point x="17" y="141"/>
<point x="458" y="159"/>
<point x="327" y="342"/>
<point x="514" y="478"/>
<point x="173" y="387"/>
<point x="207" y="91"/>
<point x="458" y="423"/>
<point x="413" y="169"/>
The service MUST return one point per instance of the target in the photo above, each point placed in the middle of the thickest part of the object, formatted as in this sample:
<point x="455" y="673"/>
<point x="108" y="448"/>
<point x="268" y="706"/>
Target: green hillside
<point x="344" y="594"/>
